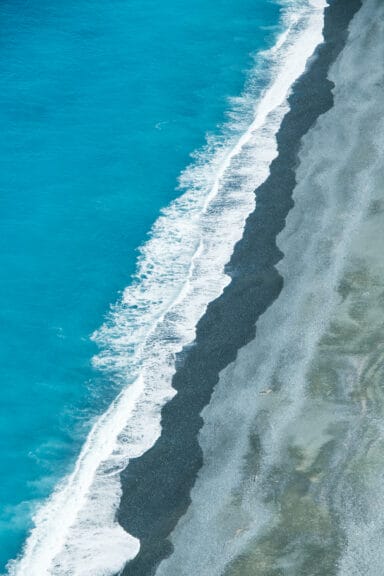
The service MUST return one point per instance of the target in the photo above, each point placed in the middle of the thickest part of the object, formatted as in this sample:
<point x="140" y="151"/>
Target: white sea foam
<point x="180" y="270"/>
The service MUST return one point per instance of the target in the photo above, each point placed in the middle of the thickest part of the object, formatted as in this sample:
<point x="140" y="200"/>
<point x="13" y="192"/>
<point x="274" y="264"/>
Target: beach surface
<point x="157" y="486"/>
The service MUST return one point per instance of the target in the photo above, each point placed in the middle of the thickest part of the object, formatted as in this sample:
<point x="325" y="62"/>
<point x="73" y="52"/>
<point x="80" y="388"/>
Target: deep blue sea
<point x="101" y="105"/>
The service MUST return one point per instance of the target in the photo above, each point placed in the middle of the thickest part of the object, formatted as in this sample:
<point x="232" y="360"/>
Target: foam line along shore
<point x="181" y="269"/>
<point x="156" y="487"/>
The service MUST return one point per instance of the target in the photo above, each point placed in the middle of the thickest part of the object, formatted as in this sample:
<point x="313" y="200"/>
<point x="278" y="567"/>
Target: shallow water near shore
<point x="94" y="141"/>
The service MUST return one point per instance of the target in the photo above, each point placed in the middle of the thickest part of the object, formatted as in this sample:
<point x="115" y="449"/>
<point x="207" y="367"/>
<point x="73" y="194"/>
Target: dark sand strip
<point x="156" y="486"/>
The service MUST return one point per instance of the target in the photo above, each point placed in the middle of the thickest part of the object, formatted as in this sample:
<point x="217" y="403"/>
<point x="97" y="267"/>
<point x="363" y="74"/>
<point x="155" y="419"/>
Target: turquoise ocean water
<point x="101" y="104"/>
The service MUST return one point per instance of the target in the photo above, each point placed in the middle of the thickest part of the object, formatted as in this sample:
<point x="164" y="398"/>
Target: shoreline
<point x="157" y="485"/>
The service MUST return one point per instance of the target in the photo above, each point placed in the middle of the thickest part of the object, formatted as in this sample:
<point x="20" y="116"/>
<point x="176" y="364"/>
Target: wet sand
<point x="156" y="486"/>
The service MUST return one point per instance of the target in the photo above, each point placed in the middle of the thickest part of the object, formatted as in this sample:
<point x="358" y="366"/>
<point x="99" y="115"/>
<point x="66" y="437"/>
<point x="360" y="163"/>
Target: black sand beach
<point x="156" y="486"/>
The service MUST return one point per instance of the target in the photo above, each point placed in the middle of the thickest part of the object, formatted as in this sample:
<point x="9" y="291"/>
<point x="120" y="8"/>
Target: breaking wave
<point x="180" y="270"/>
